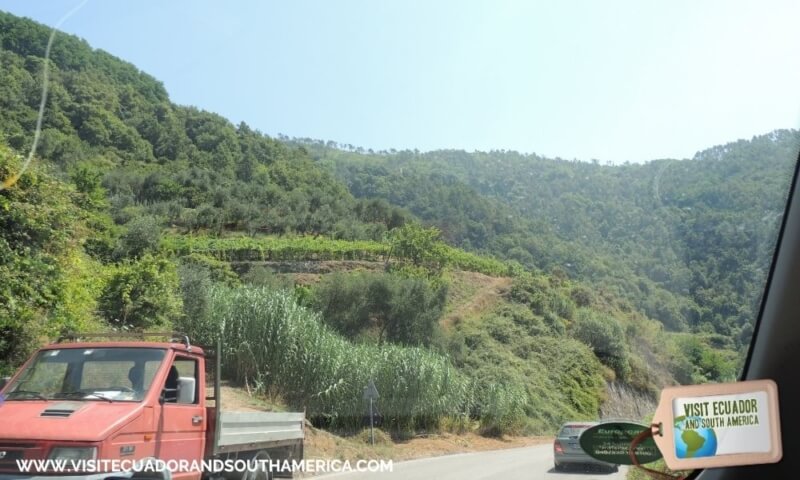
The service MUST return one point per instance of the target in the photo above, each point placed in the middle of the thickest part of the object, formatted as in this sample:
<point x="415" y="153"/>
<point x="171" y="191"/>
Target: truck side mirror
<point x="4" y="381"/>
<point x="186" y="388"/>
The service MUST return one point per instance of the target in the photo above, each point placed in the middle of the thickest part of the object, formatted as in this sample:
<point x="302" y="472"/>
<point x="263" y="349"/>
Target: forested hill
<point x="138" y="214"/>
<point x="117" y="165"/>
<point x="687" y="241"/>
<point x="190" y="168"/>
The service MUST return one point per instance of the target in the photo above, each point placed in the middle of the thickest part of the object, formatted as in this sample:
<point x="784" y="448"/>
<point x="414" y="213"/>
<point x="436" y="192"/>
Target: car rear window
<point x="572" y="430"/>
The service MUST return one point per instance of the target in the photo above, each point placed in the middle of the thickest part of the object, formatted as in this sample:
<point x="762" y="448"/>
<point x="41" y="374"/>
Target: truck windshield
<point x="110" y="374"/>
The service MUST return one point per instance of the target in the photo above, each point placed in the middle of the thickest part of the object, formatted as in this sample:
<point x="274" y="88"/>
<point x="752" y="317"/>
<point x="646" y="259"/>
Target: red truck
<point x="135" y="409"/>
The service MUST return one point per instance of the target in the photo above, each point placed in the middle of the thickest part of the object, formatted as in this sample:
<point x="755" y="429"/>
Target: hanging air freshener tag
<point x="610" y="442"/>
<point x="719" y="425"/>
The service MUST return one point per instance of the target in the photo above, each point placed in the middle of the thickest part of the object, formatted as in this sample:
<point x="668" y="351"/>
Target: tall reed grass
<point x="280" y="346"/>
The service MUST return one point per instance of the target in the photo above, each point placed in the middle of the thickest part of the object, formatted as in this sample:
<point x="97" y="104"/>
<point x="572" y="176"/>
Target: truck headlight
<point x="73" y="453"/>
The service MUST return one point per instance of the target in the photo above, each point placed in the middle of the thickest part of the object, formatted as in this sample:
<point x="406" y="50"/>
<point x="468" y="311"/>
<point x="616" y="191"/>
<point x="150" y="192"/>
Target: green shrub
<point x="694" y="361"/>
<point x="582" y="296"/>
<point x="219" y="271"/>
<point x="555" y="324"/>
<point x="261" y="276"/>
<point x="607" y="339"/>
<point x="532" y="324"/>
<point x="555" y="378"/>
<point x="41" y="262"/>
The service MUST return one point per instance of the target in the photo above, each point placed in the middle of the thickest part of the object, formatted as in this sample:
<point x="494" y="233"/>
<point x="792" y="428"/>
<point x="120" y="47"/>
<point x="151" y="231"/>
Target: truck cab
<point x="123" y="403"/>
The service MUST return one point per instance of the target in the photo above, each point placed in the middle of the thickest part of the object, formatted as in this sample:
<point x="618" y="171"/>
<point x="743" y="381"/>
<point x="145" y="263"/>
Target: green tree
<point x="142" y="294"/>
<point x="420" y="245"/>
<point x="142" y="236"/>
<point x="195" y="284"/>
<point x="387" y="307"/>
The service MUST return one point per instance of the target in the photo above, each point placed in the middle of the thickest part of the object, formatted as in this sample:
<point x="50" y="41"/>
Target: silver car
<point x="567" y="450"/>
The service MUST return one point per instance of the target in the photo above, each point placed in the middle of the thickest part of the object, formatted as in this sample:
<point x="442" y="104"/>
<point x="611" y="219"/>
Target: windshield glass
<point x="119" y="374"/>
<point x="427" y="226"/>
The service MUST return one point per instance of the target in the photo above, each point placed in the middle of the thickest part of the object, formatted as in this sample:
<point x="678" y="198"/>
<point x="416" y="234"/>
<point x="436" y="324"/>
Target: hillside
<point x="189" y="168"/>
<point x="688" y="242"/>
<point x="493" y="293"/>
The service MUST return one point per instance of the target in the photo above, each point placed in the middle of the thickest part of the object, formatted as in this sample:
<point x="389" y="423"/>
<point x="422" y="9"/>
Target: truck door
<point x="182" y="422"/>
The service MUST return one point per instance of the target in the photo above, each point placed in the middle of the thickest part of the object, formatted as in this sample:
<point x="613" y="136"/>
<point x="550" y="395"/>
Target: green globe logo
<point x="693" y="442"/>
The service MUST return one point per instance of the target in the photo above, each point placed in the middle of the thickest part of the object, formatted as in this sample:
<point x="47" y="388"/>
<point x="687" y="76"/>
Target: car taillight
<point x="557" y="447"/>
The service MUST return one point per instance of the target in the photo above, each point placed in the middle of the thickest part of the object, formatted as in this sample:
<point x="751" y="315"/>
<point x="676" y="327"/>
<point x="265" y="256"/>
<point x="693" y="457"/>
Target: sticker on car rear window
<point x="702" y="426"/>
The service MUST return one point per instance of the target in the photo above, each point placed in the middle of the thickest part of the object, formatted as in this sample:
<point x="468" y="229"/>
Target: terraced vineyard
<point x="239" y="249"/>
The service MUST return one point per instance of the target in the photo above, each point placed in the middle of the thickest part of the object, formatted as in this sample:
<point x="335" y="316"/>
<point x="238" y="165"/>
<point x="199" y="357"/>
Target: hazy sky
<point x="611" y="80"/>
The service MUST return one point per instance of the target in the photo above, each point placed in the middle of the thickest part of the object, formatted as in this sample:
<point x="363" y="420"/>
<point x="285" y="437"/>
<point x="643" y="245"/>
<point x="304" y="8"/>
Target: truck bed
<point x="244" y="431"/>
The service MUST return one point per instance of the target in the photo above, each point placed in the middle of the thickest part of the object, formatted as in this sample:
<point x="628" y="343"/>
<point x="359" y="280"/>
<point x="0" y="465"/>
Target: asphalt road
<point x="529" y="463"/>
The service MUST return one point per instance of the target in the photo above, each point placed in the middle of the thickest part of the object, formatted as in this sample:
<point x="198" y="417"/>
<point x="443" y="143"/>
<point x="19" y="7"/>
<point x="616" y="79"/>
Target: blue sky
<point x="609" y="80"/>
